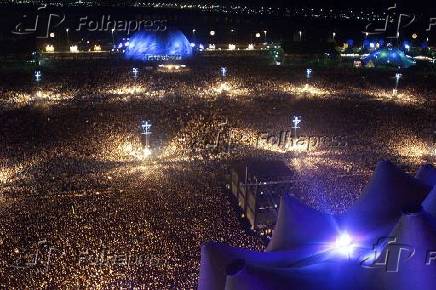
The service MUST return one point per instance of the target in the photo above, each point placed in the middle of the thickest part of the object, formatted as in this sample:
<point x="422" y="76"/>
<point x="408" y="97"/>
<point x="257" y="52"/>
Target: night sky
<point x="418" y="5"/>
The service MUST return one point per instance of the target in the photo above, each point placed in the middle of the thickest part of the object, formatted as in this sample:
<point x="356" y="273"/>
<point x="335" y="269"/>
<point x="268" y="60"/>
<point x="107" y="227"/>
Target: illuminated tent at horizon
<point x="389" y="57"/>
<point x="169" y="45"/>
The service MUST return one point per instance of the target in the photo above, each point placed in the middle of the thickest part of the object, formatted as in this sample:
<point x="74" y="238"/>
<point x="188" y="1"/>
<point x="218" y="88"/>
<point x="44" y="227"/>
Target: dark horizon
<point x="420" y="5"/>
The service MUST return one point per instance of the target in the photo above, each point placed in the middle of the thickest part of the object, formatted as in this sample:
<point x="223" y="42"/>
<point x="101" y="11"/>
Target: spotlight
<point x="135" y="72"/>
<point x="38" y="75"/>
<point x="74" y="49"/>
<point x="223" y="72"/>
<point x="344" y="245"/>
<point x="147" y="152"/>
<point x="308" y="73"/>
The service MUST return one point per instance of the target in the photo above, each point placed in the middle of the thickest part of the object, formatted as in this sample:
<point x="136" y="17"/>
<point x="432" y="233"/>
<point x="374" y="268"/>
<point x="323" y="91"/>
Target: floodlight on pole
<point x="146" y="126"/>
<point x="398" y="76"/>
<point x="135" y="72"/>
<point x="223" y="72"/>
<point x="296" y="120"/>
<point x="38" y="75"/>
<point x="308" y="73"/>
<point x="308" y="76"/>
<point x="113" y="40"/>
<point x="68" y="36"/>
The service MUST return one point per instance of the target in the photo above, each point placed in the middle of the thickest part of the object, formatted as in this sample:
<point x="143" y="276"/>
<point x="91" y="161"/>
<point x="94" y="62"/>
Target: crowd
<point x="82" y="206"/>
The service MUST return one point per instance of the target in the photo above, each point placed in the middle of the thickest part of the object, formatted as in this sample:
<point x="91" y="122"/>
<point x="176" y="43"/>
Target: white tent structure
<point x="217" y="257"/>
<point x="298" y="225"/>
<point x="407" y="260"/>
<point x="429" y="204"/>
<point x="376" y="212"/>
<point x="326" y="276"/>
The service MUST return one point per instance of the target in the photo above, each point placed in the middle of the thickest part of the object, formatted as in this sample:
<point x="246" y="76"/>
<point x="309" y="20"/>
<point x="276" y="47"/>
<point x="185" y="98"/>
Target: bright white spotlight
<point x="308" y="73"/>
<point x="49" y="48"/>
<point x="147" y="152"/>
<point x="74" y="49"/>
<point x="223" y="72"/>
<point x="38" y="75"/>
<point x="344" y="245"/>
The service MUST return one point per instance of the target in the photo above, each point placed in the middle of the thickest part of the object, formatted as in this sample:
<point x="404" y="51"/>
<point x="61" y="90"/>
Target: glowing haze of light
<point x="172" y="44"/>
<point x="344" y="245"/>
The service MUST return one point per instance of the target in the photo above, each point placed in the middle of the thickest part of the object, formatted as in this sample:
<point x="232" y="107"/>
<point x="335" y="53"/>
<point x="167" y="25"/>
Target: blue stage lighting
<point x="163" y="46"/>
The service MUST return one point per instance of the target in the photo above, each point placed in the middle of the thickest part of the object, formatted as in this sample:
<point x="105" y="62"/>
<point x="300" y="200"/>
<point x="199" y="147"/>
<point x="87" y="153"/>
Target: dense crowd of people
<point x="82" y="206"/>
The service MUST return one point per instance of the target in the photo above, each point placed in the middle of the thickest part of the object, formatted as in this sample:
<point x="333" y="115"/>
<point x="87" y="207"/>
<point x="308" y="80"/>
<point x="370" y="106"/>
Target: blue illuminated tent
<point x="168" y="45"/>
<point x="299" y="261"/>
<point x="389" y="57"/>
<point x="217" y="257"/>
<point x="298" y="224"/>
<point x="427" y="174"/>
<point x="429" y="204"/>
<point x="415" y="233"/>
<point x="376" y="212"/>
<point x="337" y="275"/>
